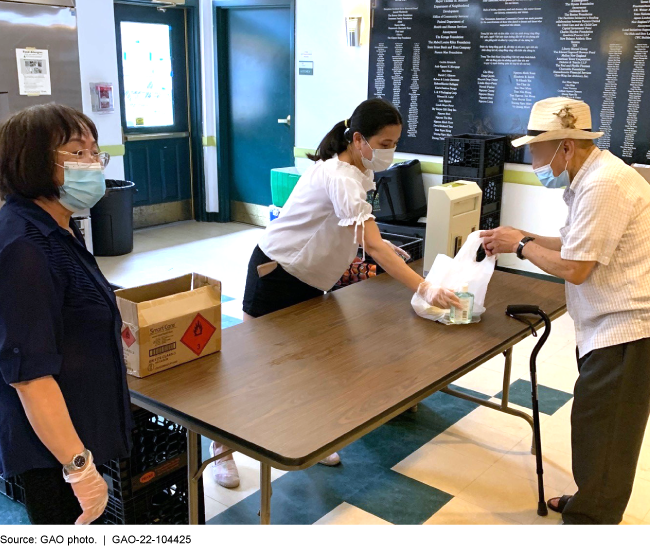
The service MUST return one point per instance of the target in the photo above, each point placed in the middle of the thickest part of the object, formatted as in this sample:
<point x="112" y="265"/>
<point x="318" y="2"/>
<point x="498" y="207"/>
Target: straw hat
<point x="558" y="118"/>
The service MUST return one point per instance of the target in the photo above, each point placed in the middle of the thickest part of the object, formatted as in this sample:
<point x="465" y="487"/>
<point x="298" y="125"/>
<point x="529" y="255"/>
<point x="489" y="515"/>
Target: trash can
<point x="112" y="220"/>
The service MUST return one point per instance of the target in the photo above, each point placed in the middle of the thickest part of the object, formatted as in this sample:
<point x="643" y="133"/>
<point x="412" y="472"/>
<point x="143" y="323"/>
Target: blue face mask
<point x="83" y="186"/>
<point x="547" y="177"/>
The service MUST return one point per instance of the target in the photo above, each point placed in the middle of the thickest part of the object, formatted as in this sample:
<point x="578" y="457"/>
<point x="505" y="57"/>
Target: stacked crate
<point x="479" y="158"/>
<point x="151" y="486"/>
<point x="12" y="488"/>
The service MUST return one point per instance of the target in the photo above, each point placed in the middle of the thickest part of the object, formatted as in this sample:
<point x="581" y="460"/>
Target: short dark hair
<point x="369" y="119"/>
<point x="28" y="143"/>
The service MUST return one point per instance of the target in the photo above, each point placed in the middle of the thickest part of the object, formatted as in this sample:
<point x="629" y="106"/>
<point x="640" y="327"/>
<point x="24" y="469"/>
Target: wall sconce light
<point x="353" y="31"/>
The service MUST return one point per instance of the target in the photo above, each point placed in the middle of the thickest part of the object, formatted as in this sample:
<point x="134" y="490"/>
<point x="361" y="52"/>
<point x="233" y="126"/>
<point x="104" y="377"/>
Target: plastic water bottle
<point x="463" y="314"/>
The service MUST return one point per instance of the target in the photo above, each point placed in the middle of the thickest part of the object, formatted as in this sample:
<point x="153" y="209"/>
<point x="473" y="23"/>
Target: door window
<point x="147" y="74"/>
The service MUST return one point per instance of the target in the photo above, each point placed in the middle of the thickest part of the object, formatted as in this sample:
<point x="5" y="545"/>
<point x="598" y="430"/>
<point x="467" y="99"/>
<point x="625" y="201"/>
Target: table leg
<point x="503" y="406"/>
<point x="507" y="373"/>
<point x="265" y="490"/>
<point x="193" y="464"/>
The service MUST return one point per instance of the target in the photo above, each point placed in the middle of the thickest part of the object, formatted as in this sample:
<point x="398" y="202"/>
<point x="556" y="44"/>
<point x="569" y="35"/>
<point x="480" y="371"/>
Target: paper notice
<point x="34" y="71"/>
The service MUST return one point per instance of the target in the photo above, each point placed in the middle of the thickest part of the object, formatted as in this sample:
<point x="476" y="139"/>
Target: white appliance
<point x="453" y="213"/>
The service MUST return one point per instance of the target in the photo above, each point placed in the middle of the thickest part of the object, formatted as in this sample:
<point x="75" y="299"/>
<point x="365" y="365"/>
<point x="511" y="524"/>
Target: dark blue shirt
<point x="59" y="318"/>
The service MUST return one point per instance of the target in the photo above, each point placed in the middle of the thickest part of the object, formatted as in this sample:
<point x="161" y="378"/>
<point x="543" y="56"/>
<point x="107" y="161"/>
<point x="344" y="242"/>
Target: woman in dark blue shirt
<point x="64" y="401"/>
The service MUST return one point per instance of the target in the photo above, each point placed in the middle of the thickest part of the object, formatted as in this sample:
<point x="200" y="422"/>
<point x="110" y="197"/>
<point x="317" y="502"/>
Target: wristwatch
<point x="78" y="463"/>
<point x="522" y="244"/>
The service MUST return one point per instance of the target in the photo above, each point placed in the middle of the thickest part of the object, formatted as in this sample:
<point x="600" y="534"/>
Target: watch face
<point x="79" y="461"/>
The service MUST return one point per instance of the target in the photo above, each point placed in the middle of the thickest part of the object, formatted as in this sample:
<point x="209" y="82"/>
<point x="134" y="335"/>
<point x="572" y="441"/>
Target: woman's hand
<point x="438" y="296"/>
<point x="91" y="492"/>
<point x="398" y="250"/>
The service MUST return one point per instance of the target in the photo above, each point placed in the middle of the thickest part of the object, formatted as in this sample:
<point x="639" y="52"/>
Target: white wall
<point x="209" y="105"/>
<point x="98" y="63"/>
<point x="340" y="83"/>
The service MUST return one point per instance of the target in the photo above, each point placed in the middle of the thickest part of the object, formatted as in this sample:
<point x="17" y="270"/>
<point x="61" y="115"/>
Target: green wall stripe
<point x="113" y="150"/>
<point x="435" y="168"/>
<point x="209" y="141"/>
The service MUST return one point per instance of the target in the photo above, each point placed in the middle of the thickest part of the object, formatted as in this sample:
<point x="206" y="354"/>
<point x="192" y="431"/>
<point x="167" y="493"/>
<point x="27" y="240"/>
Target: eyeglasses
<point x="95" y="157"/>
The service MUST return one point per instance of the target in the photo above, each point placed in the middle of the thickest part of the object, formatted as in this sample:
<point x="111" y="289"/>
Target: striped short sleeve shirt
<point x="609" y="222"/>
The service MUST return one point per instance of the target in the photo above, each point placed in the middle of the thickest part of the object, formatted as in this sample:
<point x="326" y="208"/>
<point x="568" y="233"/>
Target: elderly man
<point x="603" y="253"/>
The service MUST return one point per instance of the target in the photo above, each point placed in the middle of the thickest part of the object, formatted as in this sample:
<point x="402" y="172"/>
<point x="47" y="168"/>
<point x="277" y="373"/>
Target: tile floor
<point x="451" y="463"/>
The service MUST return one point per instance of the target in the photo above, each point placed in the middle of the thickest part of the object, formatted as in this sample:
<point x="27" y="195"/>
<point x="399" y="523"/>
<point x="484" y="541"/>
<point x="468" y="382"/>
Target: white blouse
<point x="311" y="239"/>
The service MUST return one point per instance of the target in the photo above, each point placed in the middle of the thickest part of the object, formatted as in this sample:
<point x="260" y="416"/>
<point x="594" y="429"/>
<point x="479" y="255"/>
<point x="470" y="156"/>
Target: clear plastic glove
<point x="398" y="250"/>
<point x="91" y="492"/>
<point x="438" y="296"/>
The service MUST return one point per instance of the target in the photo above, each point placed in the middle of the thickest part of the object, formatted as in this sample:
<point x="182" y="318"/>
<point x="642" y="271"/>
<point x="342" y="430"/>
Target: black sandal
<point x="561" y="504"/>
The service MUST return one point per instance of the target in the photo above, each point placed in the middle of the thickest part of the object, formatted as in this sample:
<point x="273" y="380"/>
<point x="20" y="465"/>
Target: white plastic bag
<point x="453" y="273"/>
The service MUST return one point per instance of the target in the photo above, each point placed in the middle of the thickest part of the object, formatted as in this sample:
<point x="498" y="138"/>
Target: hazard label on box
<point x="128" y="337"/>
<point x="198" y="334"/>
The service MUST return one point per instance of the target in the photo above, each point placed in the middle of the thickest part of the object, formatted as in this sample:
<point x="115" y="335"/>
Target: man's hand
<point x="504" y="239"/>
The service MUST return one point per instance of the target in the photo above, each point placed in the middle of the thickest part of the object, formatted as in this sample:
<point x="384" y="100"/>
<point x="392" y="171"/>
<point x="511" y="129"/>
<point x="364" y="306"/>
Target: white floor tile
<point x="543" y="417"/>
<point x="346" y="514"/>
<point x="557" y="466"/>
<point x="630" y="520"/>
<point x="475" y="440"/>
<point x="513" y="497"/>
<point x="643" y="468"/>
<point x="233" y="309"/>
<point x="249" y="474"/>
<point x="495" y="364"/>
<point x="460" y="512"/>
<point x="483" y="380"/>
<point x="639" y="505"/>
<point x="553" y="518"/>
<point x="442" y="467"/>
<point x="509" y="424"/>
<point x="213" y="508"/>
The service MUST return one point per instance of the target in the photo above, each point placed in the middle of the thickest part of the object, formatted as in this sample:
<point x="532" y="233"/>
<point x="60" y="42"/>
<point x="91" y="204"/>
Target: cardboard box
<point x="170" y="323"/>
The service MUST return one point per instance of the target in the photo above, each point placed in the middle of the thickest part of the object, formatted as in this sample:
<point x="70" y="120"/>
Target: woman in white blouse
<point x="305" y="251"/>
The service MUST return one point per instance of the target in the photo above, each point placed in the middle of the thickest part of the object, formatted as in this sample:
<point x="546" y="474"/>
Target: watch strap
<point x="522" y="244"/>
<point x="78" y="462"/>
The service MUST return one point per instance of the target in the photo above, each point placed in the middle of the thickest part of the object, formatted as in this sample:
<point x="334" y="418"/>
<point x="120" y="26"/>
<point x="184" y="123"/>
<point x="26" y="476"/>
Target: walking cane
<point x="519" y="310"/>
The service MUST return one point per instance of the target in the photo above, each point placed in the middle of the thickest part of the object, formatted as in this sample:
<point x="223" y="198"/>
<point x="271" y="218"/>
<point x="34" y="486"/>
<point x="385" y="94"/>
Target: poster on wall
<point x="478" y="66"/>
<point x="34" y="71"/>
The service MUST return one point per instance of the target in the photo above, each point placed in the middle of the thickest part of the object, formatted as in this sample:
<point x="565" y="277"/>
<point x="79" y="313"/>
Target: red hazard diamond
<point x="128" y="337"/>
<point x="198" y="334"/>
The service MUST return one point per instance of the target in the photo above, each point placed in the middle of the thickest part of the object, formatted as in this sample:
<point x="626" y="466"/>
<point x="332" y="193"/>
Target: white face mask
<point x="382" y="158"/>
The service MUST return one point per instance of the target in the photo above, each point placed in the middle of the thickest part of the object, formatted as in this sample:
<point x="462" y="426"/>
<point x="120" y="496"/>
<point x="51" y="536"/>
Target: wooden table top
<point x="290" y="387"/>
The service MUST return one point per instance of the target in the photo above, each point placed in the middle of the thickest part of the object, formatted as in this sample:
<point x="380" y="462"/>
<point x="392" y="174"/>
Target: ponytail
<point x="334" y="143"/>
<point x="369" y="119"/>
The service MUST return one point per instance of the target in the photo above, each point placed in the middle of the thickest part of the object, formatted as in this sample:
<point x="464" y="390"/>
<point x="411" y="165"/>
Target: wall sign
<point x="477" y="66"/>
<point x="306" y="68"/>
<point x="34" y="72"/>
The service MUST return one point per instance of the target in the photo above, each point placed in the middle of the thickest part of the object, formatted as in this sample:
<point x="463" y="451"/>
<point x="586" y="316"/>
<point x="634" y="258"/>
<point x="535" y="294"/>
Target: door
<point x="152" y="55"/>
<point x="259" y="97"/>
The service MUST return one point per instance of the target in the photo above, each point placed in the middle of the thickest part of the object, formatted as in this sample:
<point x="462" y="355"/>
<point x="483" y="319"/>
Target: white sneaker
<point x="224" y="471"/>
<point x="332" y="460"/>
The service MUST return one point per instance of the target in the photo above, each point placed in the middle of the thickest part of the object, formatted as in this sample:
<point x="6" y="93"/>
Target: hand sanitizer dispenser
<point x="453" y="213"/>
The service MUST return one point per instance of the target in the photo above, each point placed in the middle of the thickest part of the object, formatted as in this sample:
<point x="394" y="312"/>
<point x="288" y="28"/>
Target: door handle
<point x="286" y="121"/>
<point x="156" y="136"/>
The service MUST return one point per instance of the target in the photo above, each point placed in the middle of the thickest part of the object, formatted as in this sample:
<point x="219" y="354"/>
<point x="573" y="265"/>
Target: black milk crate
<point x="13" y="489"/>
<point x="413" y="230"/>
<point x="163" y="502"/>
<point x="515" y="155"/>
<point x="413" y="246"/>
<point x="159" y="449"/>
<point x="474" y="155"/>
<point x="492" y="187"/>
<point x="491" y="220"/>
